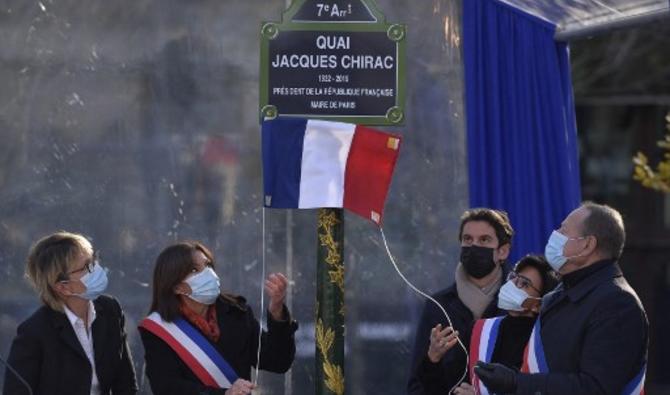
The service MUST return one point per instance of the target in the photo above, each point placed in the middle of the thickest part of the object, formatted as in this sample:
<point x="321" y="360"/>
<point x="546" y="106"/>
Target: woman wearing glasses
<point x="75" y="344"/>
<point x="198" y="340"/>
<point x="504" y="339"/>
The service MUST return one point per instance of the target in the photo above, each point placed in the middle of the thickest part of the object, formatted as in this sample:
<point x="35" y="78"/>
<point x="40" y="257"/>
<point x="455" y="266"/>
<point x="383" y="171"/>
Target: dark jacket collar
<point x="99" y="330"/>
<point x="602" y="271"/>
<point x="570" y="280"/>
<point x="583" y="283"/>
<point x="64" y="328"/>
<point x="65" y="331"/>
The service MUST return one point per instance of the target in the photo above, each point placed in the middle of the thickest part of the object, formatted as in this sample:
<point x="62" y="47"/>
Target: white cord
<point x="415" y="289"/>
<point x="262" y="311"/>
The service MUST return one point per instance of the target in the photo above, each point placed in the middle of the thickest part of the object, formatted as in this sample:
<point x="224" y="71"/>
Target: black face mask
<point x="477" y="261"/>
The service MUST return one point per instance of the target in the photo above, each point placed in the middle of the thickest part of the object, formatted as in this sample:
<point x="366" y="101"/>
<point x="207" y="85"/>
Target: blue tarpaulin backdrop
<point x="522" y="142"/>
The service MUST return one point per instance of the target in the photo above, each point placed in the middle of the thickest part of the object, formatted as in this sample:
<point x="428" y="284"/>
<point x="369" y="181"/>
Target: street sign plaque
<point x="336" y="60"/>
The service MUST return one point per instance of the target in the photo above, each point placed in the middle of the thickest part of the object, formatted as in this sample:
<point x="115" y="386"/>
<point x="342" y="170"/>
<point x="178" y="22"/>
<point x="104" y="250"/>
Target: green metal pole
<point x="330" y="303"/>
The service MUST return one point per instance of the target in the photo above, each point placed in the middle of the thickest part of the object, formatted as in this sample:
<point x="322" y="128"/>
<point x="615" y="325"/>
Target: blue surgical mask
<point x="511" y="297"/>
<point x="553" y="251"/>
<point x="205" y="286"/>
<point x="95" y="282"/>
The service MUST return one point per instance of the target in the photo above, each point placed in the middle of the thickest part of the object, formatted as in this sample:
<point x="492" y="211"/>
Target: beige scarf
<point x="474" y="298"/>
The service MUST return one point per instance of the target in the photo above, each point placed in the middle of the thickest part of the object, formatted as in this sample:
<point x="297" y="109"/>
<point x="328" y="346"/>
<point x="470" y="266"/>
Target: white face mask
<point x="553" y="251"/>
<point x="205" y="286"/>
<point x="511" y="297"/>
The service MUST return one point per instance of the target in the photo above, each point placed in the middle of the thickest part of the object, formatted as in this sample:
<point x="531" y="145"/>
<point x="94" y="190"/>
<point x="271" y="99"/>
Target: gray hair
<point x="606" y="225"/>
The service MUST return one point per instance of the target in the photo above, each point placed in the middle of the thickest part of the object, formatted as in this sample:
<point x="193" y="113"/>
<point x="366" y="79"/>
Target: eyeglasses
<point x="88" y="266"/>
<point x="521" y="281"/>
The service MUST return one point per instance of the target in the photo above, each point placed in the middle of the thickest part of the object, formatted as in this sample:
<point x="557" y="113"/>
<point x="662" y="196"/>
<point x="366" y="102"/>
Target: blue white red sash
<point x="194" y="349"/>
<point x="482" y="344"/>
<point x="636" y="385"/>
<point x="533" y="356"/>
<point x="535" y="362"/>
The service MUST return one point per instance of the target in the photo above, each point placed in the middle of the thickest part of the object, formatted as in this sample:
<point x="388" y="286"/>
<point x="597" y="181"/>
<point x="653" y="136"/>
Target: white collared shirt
<point x="85" y="337"/>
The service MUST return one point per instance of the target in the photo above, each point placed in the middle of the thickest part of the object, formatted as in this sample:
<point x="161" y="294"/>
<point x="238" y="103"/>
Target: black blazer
<point x="48" y="355"/>
<point x="594" y="336"/>
<point x="168" y="374"/>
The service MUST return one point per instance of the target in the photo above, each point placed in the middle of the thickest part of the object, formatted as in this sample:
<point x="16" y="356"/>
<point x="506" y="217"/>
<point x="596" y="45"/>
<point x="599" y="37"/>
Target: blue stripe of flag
<point x="282" y="160"/>
<point x="539" y="349"/>
<point x="208" y="349"/>
<point x="492" y="338"/>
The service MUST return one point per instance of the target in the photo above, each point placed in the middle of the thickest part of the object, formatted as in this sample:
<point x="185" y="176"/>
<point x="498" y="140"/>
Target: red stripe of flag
<point x="370" y="165"/>
<point x="525" y="368"/>
<point x="186" y="356"/>
<point x="474" y="350"/>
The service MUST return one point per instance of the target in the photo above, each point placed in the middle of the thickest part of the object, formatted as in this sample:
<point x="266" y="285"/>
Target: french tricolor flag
<point x="311" y="164"/>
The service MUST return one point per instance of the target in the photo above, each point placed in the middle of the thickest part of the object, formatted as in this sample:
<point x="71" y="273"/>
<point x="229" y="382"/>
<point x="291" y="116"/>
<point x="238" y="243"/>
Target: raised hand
<point x="275" y="286"/>
<point x="441" y="341"/>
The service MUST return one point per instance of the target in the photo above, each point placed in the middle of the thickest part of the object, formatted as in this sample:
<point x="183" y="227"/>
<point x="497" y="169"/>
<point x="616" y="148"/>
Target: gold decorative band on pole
<point x="330" y="303"/>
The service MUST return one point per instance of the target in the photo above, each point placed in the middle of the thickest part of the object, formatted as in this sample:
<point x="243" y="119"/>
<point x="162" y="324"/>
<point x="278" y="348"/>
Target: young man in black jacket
<point x="485" y="236"/>
<point x="593" y="330"/>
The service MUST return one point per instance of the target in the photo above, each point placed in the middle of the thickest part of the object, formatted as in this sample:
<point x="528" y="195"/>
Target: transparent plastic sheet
<point x="135" y="123"/>
<point x="573" y="14"/>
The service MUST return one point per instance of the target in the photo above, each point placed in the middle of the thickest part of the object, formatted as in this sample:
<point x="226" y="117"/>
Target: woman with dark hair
<point x="504" y="339"/>
<point x="198" y="340"/>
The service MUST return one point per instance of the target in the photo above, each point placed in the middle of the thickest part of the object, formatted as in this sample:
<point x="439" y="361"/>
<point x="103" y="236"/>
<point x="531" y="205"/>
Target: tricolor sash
<point x="482" y="344"/>
<point x="533" y="355"/>
<point x="535" y="362"/>
<point x="194" y="349"/>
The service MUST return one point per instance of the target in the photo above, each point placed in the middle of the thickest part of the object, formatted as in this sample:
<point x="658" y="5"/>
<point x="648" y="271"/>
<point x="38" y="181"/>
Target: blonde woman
<point x="75" y="344"/>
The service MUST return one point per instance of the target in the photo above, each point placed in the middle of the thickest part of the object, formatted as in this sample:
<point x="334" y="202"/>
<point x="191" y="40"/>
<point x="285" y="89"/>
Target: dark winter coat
<point x="48" y="355"/>
<point x="594" y="333"/>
